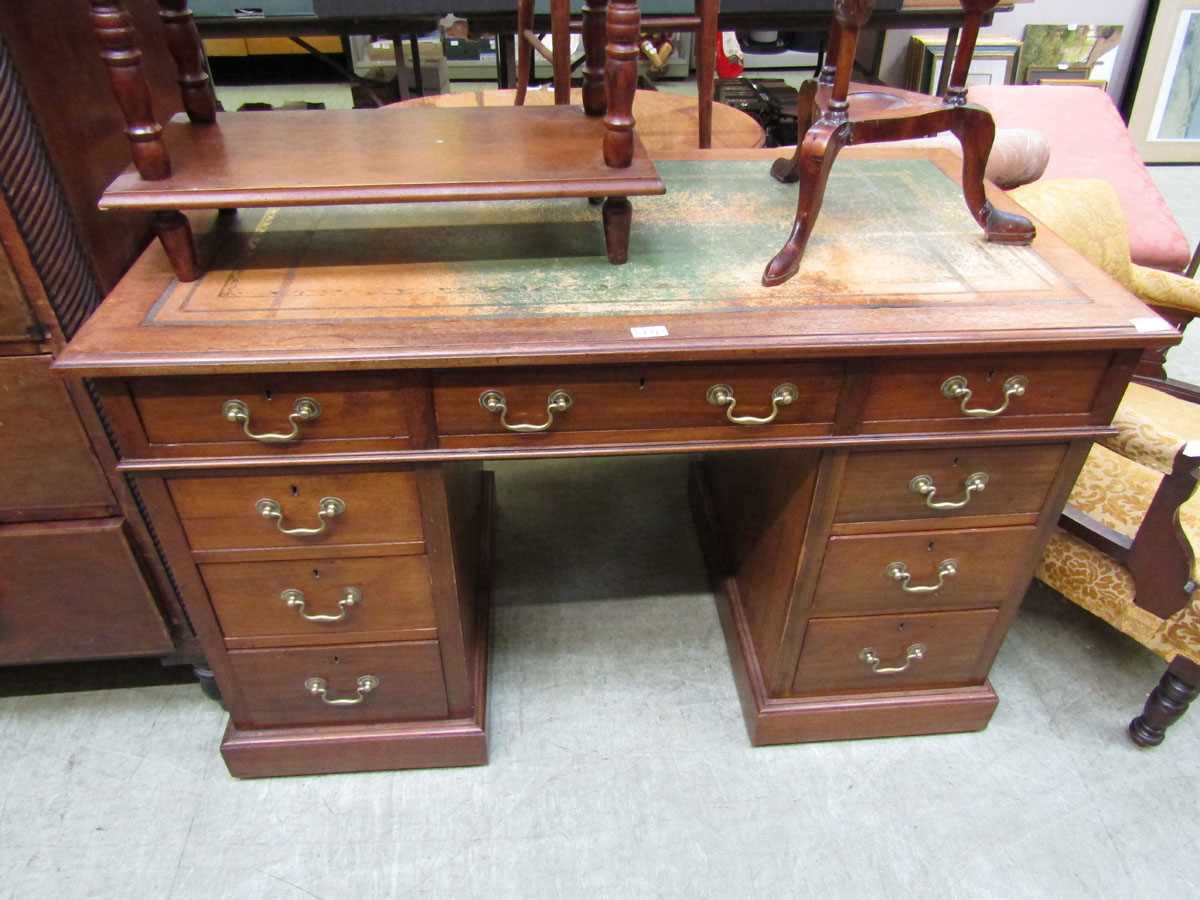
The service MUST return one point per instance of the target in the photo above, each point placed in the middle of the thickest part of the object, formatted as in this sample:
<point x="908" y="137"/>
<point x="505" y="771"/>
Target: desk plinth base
<point x="830" y="717"/>
<point x="325" y="750"/>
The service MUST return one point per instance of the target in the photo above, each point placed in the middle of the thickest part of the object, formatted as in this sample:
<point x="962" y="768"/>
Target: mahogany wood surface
<point x="74" y="590"/>
<point x="381" y="508"/>
<point x="410" y="683"/>
<point x="876" y="486"/>
<point x="954" y="641"/>
<point x="990" y="562"/>
<point x="666" y="122"/>
<point x="47" y="465"/>
<point x="395" y="600"/>
<point x="19" y="329"/>
<point x="307" y="157"/>
<point x="1094" y="313"/>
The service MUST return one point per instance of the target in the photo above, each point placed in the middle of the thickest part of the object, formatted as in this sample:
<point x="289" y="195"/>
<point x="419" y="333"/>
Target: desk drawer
<point x="276" y="686"/>
<point x="975" y="568"/>
<point x="318" y="411"/>
<point x="224" y="513"/>
<point x="318" y="601"/>
<point x="883" y="486"/>
<point x="1005" y="392"/>
<point x="882" y="653"/>
<point x="606" y="402"/>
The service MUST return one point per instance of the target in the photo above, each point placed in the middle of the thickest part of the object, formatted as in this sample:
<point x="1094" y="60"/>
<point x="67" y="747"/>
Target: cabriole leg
<point x="618" y="220"/>
<point x="788" y="170"/>
<point x="976" y="131"/>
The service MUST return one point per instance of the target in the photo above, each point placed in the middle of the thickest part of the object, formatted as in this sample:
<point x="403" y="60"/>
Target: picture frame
<point x="1042" y="74"/>
<point x="1094" y="49"/>
<point x="995" y="61"/>
<point x="1164" y="119"/>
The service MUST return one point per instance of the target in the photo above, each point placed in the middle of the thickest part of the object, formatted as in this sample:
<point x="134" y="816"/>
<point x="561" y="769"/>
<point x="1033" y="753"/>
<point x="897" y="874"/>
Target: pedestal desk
<point x="881" y="446"/>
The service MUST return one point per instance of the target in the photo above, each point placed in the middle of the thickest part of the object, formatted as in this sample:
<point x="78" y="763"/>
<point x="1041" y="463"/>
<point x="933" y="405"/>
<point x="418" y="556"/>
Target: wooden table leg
<point x="183" y="40"/>
<point x="175" y="233"/>
<point x="594" y="18"/>
<point x="706" y="63"/>
<point x="620" y="81"/>
<point x="115" y="33"/>
<point x="618" y="221"/>
<point x="560" y="33"/>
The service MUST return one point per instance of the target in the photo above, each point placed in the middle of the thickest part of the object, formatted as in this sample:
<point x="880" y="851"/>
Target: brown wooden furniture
<point x="830" y="118"/>
<point x="666" y="121"/>
<point x="592" y="26"/>
<point x="302" y="158"/>
<point x="308" y="431"/>
<point x="80" y="575"/>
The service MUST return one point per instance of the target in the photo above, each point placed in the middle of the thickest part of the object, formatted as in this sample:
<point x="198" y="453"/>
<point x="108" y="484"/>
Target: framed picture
<point x="1061" y="72"/>
<point x="995" y="61"/>
<point x="1165" y="118"/>
<point x="1093" y="47"/>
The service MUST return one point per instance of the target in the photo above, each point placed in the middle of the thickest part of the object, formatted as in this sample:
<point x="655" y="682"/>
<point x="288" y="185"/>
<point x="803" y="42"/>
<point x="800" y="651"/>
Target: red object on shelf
<point x="730" y="62"/>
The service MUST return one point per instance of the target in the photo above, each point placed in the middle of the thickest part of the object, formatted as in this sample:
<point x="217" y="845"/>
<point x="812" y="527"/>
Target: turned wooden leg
<point x="618" y="219"/>
<point x="183" y="40"/>
<point x="175" y="233"/>
<point x="524" y="51"/>
<point x="975" y="130"/>
<point x="208" y="683"/>
<point x="119" y="50"/>
<point x="620" y="81"/>
<point x="817" y="152"/>
<point x="560" y="31"/>
<point x="788" y="170"/>
<point x="1178" y="688"/>
<point x="595" y="14"/>
<point x="706" y="64"/>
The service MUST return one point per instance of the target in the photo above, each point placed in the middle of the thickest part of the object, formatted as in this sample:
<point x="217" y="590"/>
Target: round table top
<point x="666" y="122"/>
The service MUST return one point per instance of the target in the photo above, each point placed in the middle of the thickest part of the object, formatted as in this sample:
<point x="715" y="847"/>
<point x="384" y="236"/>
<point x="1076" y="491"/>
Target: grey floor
<point x="619" y="762"/>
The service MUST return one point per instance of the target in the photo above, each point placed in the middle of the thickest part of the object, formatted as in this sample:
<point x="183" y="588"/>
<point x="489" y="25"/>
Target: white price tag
<point x="1145" y="324"/>
<point x="649" y="331"/>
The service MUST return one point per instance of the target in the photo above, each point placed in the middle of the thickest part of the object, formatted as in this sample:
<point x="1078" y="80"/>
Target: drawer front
<point x="284" y="414"/>
<point x="278" y="688"/>
<point x="605" y="402"/>
<point x="924" y="570"/>
<point x="881" y="487"/>
<point x="1005" y="392"/>
<point x="73" y="590"/>
<point x="881" y="653"/>
<point x="316" y="601"/>
<point x="223" y="513"/>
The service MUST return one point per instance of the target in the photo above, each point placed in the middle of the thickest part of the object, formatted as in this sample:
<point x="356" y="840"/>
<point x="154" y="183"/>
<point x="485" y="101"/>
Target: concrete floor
<point x="620" y="766"/>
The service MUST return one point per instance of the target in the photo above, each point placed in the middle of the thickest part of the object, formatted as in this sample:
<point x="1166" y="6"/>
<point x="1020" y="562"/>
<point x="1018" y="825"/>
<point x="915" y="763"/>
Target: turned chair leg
<point x="595" y="14"/>
<point x="560" y="32"/>
<point x="175" y="233"/>
<point x="818" y="151"/>
<point x="183" y="40"/>
<point x="976" y="131"/>
<point x="788" y="170"/>
<point x="1178" y="688"/>
<point x="620" y="81"/>
<point x="706" y="63"/>
<point x="618" y="220"/>
<point x="524" y="51"/>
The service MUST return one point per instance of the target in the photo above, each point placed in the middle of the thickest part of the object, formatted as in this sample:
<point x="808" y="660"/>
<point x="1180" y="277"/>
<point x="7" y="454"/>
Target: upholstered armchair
<point x="1124" y="549"/>
<point x="1086" y="213"/>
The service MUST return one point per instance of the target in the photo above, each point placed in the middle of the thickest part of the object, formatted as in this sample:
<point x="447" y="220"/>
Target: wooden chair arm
<point x="1160" y="557"/>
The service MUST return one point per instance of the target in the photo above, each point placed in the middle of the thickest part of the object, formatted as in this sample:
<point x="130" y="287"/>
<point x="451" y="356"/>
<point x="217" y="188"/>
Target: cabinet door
<point x="74" y="590"/>
<point x="47" y="468"/>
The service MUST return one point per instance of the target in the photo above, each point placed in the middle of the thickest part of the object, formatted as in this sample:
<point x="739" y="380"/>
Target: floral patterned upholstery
<point x="1116" y="486"/>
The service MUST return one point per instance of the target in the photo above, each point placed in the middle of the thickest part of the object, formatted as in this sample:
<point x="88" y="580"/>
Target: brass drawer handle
<point x="329" y="508"/>
<point x="722" y="395"/>
<point x="911" y="655"/>
<point x="955" y="388"/>
<point x="320" y="688"/>
<point x="494" y="402"/>
<point x="923" y="484"/>
<point x="294" y="599"/>
<point x="306" y="409"/>
<point x="898" y="571"/>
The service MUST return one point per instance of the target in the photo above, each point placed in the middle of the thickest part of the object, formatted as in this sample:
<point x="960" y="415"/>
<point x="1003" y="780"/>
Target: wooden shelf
<point x="311" y="158"/>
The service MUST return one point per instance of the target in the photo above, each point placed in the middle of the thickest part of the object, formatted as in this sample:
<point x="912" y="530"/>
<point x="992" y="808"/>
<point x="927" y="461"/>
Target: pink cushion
<point x="1088" y="139"/>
